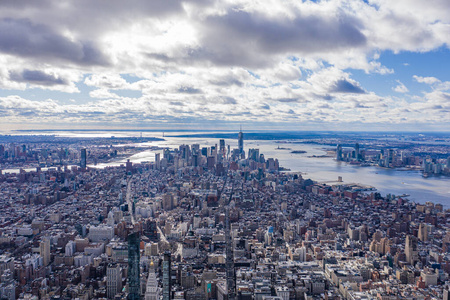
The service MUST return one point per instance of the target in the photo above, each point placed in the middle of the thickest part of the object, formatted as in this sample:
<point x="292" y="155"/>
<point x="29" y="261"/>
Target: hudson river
<point x="325" y="169"/>
<point x="321" y="169"/>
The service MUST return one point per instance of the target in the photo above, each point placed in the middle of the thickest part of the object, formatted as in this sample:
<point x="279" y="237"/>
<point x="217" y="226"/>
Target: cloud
<point x="288" y="99"/>
<point x="23" y="38"/>
<point x="427" y="80"/>
<point x="108" y="80"/>
<point x="37" y="77"/>
<point x="233" y="38"/>
<point x="102" y="93"/>
<point x="290" y="61"/>
<point x="400" y="88"/>
<point x="189" y="90"/>
<point x="345" y="86"/>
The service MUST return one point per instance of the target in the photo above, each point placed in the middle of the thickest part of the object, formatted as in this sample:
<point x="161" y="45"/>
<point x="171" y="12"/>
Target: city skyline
<point x="310" y="65"/>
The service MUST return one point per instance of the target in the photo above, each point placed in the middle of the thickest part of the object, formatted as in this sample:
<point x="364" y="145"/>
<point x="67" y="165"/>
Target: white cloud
<point x="400" y="88"/>
<point x="216" y="60"/>
<point x="427" y="80"/>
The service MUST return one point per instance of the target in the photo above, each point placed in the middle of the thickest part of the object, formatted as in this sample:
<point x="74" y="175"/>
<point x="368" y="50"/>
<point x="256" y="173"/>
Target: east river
<point x="321" y="169"/>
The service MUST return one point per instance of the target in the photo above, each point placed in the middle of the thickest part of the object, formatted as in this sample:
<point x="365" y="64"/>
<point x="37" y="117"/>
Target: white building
<point x="152" y="291"/>
<point x="101" y="233"/>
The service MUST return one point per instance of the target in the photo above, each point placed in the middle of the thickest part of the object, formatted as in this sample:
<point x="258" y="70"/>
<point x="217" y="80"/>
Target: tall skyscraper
<point x="339" y="152"/>
<point x="241" y="141"/>
<point x="44" y="249"/>
<point x="167" y="284"/>
<point x="113" y="280"/>
<point x="83" y="159"/>
<point x="158" y="160"/>
<point x="357" y="155"/>
<point x="133" y="267"/>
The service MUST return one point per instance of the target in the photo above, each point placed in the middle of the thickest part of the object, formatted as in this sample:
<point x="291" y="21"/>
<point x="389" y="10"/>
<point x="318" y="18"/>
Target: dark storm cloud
<point x="91" y="17"/>
<point x="240" y="38"/>
<point x="344" y="86"/>
<point x="37" y="77"/>
<point x="23" y="38"/>
<point x="235" y="37"/>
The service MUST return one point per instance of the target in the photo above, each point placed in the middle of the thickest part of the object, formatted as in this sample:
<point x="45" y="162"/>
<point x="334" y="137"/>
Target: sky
<point x="374" y="65"/>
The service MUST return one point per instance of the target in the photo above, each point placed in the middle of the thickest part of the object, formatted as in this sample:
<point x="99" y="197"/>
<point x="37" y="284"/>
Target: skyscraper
<point x="113" y="280"/>
<point x="229" y="263"/>
<point x="423" y="232"/>
<point x="83" y="159"/>
<point x="152" y="291"/>
<point x="411" y="252"/>
<point x="167" y="284"/>
<point x="339" y="152"/>
<point x="133" y="267"/>
<point x="357" y="151"/>
<point x="44" y="249"/>
<point x="241" y="141"/>
<point x="151" y="230"/>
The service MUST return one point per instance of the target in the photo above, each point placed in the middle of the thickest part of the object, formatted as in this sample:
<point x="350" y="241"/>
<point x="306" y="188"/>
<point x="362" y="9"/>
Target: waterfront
<point x="326" y="169"/>
<point x="321" y="169"/>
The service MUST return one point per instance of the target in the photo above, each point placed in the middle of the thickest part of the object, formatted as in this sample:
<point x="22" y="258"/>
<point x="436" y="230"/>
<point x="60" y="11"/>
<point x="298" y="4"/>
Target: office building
<point x="339" y="152"/>
<point x="241" y="142"/>
<point x="113" y="280"/>
<point x="152" y="291"/>
<point x="133" y="266"/>
<point x="167" y="283"/>
<point x="83" y="160"/>
<point x="44" y="249"/>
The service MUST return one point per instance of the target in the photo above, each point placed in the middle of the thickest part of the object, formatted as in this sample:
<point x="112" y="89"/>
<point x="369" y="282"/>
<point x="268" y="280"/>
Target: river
<point x="321" y="169"/>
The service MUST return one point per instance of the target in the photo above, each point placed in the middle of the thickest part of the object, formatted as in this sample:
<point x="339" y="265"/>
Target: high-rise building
<point x="339" y="152"/>
<point x="113" y="280"/>
<point x="253" y="154"/>
<point x="167" y="283"/>
<point x="229" y="263"/>
<point x="133" y="266"/>
<point x="241" y="141"/>
<point x="83" y="159"/>
<point x="152" y="291"/>
<point x="412" y="255"/>
<point x="151" y="230"/>
<point x="357" y="155"/>
<point x="129" y="166"/>
<point x="44" y="249"/>
<point x="222" y="145"/>
<point x="158" y="160"/>
<point x="423" y="232"/>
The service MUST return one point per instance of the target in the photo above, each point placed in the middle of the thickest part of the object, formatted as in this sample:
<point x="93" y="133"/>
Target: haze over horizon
<point x="338" y="65"/>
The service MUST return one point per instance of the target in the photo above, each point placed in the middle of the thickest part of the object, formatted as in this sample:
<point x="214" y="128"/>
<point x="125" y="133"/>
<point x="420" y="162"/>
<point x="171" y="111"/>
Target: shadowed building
<point x="167" y="284"/>
<point x="83" y="159"/>
<point x="133" y="266"/>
